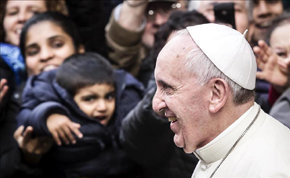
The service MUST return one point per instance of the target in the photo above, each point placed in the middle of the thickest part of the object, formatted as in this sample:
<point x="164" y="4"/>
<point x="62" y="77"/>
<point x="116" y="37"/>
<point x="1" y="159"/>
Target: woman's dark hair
<point x="64" y="22"/>
<point x="283" y="19"/>
<point x="81" y="70"/>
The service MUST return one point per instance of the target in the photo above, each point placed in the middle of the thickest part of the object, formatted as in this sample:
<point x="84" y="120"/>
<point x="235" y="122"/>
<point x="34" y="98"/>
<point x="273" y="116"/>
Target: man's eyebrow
<point x="164" y="84"/>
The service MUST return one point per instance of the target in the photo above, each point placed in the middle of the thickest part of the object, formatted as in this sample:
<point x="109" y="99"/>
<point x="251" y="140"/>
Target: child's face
<point x="280" y="41"/>
<point x="97" y="101"/>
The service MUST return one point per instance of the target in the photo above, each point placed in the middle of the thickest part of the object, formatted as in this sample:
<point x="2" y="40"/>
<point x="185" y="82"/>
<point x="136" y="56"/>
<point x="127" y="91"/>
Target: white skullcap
<point x="228" y="50"/>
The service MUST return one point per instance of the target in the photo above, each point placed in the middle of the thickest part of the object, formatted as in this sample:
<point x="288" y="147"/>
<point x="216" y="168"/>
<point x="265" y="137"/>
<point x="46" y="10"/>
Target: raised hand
<point x="28" y="144"/>
<point x="273" y="69"/>
<point x="63" y="129"/>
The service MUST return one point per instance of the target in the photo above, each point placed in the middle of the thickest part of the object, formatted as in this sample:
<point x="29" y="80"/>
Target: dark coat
<point x="262" y="94"/>
<point x="9" y="152"/>
<point x="11" y="162"/>
<point x="98" y="153"/>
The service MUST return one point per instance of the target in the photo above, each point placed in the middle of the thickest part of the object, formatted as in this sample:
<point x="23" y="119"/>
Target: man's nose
<point x="158" y="103"/>
<point x="263" y="9"/>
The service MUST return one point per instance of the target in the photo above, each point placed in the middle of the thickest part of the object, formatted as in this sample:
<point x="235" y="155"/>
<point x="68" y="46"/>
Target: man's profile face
<point x="241" y="12"/>
<point x="264" y="11"/>
<point x="180" y="96"/>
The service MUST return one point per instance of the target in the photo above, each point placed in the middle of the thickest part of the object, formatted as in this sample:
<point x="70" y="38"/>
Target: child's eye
<point x="110" y="96"/>
<point x="89" y="98"/>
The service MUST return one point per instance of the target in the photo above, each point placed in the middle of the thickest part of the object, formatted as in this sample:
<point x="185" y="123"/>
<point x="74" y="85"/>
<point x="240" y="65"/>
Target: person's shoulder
<point x="39" y="86"/>
<point x="47" y="75"/>
<point x="286" y="94"/>
<point x="125" y="79"/>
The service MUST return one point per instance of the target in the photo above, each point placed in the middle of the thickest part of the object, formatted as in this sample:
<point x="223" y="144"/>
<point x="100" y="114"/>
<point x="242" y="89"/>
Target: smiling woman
<point x="48" y="49"/>
<point x="57" y="39"/>
<point x="13" y="15"/>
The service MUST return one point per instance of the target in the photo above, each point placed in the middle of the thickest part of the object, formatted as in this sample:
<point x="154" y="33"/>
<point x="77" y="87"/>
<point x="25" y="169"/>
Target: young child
<point x="95" y="98"/>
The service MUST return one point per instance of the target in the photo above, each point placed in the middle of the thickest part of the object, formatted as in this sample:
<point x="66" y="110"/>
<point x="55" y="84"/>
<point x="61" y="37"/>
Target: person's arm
<point x="124" y="35"/>
<point x="63" y="129"/>
<point x="50" y="119"/>
<point x="132" y="14"/>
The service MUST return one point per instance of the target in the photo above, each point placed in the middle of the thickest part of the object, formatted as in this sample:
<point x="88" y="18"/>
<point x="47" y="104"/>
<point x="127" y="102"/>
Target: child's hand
<point x="3" y="88"/>
<point x="62" y="129"/>
<point x="272" y="69"/>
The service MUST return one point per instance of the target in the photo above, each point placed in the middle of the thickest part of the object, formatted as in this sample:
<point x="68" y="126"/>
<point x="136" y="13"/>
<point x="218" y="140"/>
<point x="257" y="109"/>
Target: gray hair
<point x="201" y="66"/>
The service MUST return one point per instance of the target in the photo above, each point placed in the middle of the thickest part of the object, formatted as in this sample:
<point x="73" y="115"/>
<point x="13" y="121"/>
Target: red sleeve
<point x="273" y="95"/>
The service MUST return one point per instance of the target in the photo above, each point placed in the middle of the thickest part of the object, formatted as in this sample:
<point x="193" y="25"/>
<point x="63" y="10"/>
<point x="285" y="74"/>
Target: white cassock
<point x="264" y="150"/>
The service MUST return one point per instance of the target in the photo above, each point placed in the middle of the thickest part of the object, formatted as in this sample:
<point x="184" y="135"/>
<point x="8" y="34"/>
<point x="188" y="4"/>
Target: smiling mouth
<point x="264" y="25"/>
<point x="49" y="67"/>
<point x="172" y="119"/>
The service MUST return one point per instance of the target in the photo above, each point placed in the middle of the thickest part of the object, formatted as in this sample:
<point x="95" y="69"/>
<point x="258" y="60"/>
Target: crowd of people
<point x="144" y="88"/>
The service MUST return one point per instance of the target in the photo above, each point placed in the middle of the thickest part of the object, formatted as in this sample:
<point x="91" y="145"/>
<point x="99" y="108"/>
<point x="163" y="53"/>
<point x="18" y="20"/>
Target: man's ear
<point x="219" y="94"/>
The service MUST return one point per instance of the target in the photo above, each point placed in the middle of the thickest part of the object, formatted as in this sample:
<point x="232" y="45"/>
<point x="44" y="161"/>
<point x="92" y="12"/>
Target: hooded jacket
<point x="98" y="153"/>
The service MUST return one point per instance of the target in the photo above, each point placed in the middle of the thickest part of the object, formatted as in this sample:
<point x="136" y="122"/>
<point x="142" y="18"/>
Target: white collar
<point x="219" y="146"/>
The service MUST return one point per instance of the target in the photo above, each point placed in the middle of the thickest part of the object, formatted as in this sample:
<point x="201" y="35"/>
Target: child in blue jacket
<point x="81" y="106"/>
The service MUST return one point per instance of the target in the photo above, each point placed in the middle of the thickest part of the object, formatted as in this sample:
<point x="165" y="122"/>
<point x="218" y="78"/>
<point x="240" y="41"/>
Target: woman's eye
<point x="35" y="11"/>
<point x="57" y="44"/>
<point x="12" y="12"/>
<point x="32" y="51"/>
<point x="238" y="9"/>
